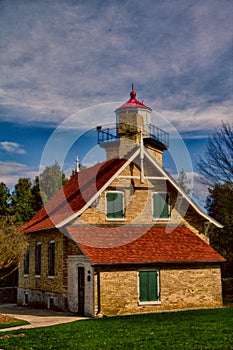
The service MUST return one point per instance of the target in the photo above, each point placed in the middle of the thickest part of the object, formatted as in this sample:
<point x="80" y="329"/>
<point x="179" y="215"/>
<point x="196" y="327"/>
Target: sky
<point x="60" y="58"/>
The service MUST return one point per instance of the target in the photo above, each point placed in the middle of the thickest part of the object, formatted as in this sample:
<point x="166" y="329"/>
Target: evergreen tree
<point x="183" y="182"/>
<point x="37" y="202"/>
<point x="4" y="199"/>
<point x="220" y="206"/>
<point x="22" y="201"/>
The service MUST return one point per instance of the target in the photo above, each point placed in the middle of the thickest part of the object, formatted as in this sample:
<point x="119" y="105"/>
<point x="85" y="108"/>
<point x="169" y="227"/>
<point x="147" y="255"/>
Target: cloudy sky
<point x="60" y="57"/>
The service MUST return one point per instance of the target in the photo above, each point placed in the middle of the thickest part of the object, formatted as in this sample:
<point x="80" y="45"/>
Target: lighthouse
<point x="133" y="124"/>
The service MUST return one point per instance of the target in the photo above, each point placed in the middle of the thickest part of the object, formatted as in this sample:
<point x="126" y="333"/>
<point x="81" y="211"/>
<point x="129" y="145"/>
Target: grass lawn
<point x="7" y="321"/>
<point x="199" y="329"/>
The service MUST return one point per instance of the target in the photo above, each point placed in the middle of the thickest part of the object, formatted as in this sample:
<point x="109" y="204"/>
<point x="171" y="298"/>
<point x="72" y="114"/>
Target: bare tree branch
<point x="217" y="165"/>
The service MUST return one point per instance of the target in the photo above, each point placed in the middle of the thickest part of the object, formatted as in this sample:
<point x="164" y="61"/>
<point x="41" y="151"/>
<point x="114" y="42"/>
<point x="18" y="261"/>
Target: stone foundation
<point x="39" y="299"/>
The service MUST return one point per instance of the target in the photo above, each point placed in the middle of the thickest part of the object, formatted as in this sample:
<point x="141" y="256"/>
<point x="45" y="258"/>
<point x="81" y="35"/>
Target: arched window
<point x="38" y="259"/>
<point x="51" y="256"/>
<point x="26" y="262"/>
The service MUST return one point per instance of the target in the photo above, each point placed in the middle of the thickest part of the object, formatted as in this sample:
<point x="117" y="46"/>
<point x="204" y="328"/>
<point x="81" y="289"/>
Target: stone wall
<point x="138" y="203"/>
<point x="45" y="290"/>
<point x="179" y="289"/>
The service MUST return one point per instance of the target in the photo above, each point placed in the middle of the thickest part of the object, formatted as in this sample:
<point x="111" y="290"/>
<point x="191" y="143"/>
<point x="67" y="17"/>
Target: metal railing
<point x="150" y="131"/>
<point x="109" y="134"/>
<point x="157" y="134"/>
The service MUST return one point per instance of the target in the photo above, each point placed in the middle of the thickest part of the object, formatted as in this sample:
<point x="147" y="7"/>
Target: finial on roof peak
<point x="77" y="169"/>
<point x="133" y="93"/>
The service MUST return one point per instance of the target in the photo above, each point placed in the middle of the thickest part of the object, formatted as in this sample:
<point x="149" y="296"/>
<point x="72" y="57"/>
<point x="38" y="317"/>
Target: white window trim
<point x="153" y="302"/>
<point x="115" y="219"/>
<point x="152" y="206"/>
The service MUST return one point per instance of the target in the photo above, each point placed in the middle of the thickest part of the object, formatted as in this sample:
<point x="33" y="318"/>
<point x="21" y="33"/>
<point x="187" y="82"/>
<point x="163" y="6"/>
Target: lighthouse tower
<point x="133" y="121"/>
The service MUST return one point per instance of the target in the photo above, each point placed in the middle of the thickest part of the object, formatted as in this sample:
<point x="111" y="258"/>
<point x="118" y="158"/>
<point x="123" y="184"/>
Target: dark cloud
<point x="65" y="55"/>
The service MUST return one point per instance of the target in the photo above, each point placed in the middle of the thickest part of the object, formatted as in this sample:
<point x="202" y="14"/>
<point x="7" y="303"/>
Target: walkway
<point x="36" y="317"/>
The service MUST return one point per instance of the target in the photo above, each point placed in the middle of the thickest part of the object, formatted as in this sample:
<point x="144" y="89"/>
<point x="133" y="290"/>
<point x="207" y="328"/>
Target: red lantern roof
<point x="133" y="102"/>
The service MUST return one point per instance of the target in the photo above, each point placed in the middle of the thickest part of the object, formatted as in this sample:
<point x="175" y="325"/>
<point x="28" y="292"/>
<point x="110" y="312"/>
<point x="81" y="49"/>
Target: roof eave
<point x="121" y="108"/>
<point x="190" y="201"/>
<point x="158" y="263"/>
<point x="89" y="203"/>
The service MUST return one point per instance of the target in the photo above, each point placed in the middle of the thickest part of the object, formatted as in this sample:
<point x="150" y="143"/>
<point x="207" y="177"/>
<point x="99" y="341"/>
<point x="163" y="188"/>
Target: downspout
<point x="141" y="158"/>
<point x="98" y="293"/>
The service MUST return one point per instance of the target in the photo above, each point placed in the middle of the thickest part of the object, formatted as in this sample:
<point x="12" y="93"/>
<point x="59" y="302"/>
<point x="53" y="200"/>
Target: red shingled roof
<point x="133" y="102"/>
<point x="142" y="244"/>
<point x="74" y="195"/>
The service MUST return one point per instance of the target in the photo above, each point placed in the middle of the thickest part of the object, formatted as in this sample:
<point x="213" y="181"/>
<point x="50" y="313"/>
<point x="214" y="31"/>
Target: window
<point x="51" y="256"/>
<point x="25" y="302"/>
<point x="115" y="205"/>
<point x="148" y="286"/>
<point x="161" y="206"/>
<point x="38" y="259"/>
<point x="26" y="262"/>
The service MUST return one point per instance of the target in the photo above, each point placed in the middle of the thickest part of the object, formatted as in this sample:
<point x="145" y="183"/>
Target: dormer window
<point x="115" y="205"/>
<point x="161" y="205"/>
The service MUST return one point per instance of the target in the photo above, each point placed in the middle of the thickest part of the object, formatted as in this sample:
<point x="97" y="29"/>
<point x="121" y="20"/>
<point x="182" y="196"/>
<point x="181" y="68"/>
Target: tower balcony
<point x="151" y="134"/>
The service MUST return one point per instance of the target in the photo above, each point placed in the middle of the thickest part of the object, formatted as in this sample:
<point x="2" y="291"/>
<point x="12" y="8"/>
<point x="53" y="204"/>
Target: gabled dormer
<point x="133" y="118"/>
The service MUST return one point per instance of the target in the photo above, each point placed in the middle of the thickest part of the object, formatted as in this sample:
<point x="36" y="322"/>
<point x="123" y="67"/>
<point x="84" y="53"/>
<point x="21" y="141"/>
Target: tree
<point x="37" y="202"/>
<point x="4" y="199"/>
<point x="22" y="201"/>
<point x="10" y="254"/>
<point x="220" y="206"/>
<point x="51" y="180"/>
<point x="183" y="182"/>
<point x="217" y="167"/>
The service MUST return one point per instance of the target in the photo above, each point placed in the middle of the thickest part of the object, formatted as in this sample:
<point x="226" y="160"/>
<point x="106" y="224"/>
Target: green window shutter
<point x="114" y="205"/>
<point x="148" y="285"/>
<point x="143" y="286"/>
<point x="152" y="286"/>
<point x="161" y="205"/>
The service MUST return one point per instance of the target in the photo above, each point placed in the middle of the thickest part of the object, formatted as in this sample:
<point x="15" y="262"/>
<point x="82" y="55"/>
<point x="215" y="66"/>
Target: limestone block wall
<point x="129" y="125"/>
<point x="138" y="203"/>
<point x="45" y="290"/>
<point x="156" y="153"/>
<point x="44" y="282"/>
<point x="179" y="289"/>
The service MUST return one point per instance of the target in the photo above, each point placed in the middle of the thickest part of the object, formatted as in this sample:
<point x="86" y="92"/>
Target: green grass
<point x="13" y="322"/>
<point x="198" y="329"/>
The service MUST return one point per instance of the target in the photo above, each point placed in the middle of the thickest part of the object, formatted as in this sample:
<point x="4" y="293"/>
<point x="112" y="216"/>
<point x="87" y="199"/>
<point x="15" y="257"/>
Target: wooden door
<point x="81" y="290"/>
